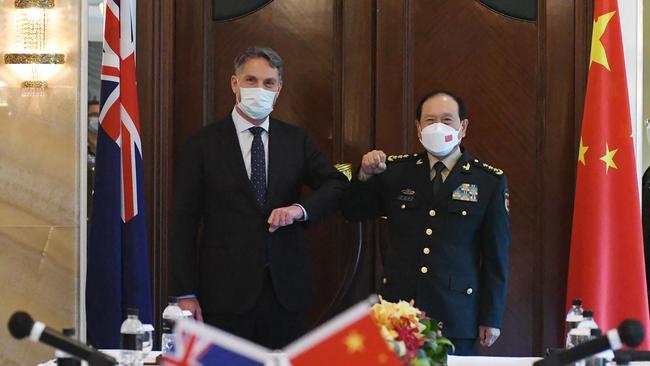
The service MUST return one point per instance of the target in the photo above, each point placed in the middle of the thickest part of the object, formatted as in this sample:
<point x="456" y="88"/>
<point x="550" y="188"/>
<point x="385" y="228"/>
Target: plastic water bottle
<point x="131" y="340"/>
<point x="588" y="320"/>
<point x="171" y="315"/>
<point x="582" y="333"/>
<point x="64" y="359"/>
<point x="573" y="318"/>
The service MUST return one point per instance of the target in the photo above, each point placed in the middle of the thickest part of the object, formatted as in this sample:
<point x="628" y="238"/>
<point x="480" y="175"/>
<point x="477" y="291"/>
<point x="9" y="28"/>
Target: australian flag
<point x="201" y="345"/>
<point x="118" y="265"/>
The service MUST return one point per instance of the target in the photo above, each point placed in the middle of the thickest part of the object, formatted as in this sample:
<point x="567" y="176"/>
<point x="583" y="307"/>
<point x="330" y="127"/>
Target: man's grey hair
<point x="267" y="53"/>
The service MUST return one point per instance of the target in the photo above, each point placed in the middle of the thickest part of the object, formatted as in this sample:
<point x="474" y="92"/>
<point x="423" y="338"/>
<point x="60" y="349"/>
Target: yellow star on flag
<point x="581" y="153"/>
<point x="354" y="342"/>
<point x="382" y="358"/>
<point x="608" y="158"/>
<point x="598" y="53"/>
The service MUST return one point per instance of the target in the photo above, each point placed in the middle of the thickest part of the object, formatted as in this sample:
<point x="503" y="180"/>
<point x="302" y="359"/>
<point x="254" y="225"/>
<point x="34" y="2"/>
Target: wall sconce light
<point x="34" y="53"/>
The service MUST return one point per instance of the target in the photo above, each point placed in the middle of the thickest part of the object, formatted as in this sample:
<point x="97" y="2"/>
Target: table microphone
<point x="629" y="333"/>
<point x="22" y="325"/>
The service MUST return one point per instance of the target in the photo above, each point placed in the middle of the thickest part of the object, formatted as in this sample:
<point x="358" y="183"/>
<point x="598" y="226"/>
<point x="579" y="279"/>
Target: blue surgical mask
<point x="256" y="103"/>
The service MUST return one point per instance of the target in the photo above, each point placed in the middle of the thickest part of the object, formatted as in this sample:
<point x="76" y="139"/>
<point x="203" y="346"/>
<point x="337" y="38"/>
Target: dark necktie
<point x="258" y="166"/>
<point x="437" y="179"/>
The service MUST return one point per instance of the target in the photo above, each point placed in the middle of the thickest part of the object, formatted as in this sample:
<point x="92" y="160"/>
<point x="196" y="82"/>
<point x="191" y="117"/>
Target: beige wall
<point x="39" y="188"/>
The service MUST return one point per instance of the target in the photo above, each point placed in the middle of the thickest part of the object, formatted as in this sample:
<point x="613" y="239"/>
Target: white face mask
<point x="93" y="124"/>
<point x="439" y="139"/>
<point x="256" y="103"/>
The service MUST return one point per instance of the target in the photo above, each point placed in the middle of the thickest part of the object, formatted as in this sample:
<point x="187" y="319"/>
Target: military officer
<point x="448" y="225"/>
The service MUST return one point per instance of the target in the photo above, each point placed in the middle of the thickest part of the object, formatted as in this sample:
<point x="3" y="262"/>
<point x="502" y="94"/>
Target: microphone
<point x="633" y="355"/>
<point x="629" y="333"/>
<point x="22" y="325"/>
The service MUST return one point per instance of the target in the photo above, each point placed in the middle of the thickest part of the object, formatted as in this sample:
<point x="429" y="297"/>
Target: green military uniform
<point x="448" y="253"/>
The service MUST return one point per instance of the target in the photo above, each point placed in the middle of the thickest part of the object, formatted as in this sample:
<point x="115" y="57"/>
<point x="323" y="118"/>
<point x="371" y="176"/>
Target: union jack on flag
<point x="118" y="264"/>
<point x="119" y="99"/>
<point x="199" y="344"/>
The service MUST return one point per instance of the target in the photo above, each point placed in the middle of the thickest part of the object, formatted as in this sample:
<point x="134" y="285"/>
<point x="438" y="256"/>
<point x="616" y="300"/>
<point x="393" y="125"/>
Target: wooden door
<point x="354" y="73"/>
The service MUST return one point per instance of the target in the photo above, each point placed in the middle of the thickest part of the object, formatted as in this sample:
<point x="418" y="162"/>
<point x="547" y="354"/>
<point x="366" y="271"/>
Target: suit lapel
<point x="275" y="158"/>
<point x="237" y="165"/>
<point x="423" y="173"/>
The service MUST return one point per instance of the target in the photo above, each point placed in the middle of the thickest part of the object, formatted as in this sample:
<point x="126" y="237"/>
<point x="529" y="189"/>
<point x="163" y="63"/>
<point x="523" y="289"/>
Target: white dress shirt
<point x="246" y="141"/>
<point x="245" y="138"/>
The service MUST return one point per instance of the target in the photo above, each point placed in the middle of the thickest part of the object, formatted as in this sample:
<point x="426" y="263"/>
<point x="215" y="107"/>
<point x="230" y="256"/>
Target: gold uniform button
<point x="424" y="269"/>
<point x="403" y="206"/>
<point x="469" y="291"/>
<point x="426" y="250"/>
<point x="384" y="280"/>
<point x="429" y="231"/>
<point x="432" y="213"/>
<point x="464" y="213"/>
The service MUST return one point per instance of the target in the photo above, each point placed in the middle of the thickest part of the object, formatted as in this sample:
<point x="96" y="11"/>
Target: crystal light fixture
<point x="34" y="52"/>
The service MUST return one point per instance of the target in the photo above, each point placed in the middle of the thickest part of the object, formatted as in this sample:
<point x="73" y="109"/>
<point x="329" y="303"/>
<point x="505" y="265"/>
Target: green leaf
<point x="420" y="362"/>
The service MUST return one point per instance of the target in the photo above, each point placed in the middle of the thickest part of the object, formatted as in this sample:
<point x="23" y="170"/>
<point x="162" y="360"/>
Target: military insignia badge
<point x="466" y="192"/>
<point x="407" y="195"/>
<point x="466" y="167"/>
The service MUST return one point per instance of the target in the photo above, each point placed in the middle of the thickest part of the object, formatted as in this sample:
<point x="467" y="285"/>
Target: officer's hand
<point x="487" y="335"/>
<point x="191" y="304"/>
<point x="372" y="163"/>
<point x="284" y="216"/>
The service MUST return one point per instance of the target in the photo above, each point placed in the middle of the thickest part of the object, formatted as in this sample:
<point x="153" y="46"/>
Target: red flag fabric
<point x="350" y="339"/>
<point x="606" y="265"/>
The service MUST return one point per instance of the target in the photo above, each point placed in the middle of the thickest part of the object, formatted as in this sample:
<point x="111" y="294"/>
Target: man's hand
<point x="191" y="304"/>
<point x="284" y="216"/>
<point x="372" y="163"/>
<point x="487" y="335"/>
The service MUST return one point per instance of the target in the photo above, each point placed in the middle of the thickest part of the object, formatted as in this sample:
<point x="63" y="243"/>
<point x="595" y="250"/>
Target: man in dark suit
<point x="448" y="225"/>
<point x="240" y="180"/>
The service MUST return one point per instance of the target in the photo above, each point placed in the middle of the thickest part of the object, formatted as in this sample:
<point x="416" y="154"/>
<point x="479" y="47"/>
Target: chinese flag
<point x="350" y="339"/>
<point x="606" y="266"/>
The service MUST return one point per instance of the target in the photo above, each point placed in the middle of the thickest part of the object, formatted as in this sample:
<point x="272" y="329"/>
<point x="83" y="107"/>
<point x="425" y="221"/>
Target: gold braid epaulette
<point x="487" y="167"/>
<point x="391" y="159"/>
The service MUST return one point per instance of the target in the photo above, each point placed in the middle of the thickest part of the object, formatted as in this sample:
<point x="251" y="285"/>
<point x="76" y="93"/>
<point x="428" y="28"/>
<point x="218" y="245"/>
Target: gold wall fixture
<point x="34" y="52"/>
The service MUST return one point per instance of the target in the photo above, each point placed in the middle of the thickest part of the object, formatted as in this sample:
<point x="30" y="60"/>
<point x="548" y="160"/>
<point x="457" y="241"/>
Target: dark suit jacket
<point x="226" y="265"/>
<point x="449" y="254"/>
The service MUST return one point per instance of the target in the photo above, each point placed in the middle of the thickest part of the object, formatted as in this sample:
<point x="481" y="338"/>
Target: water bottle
<point x="573" y="318"/>
<point x="171" y="314"/>
<point x="64" y="359"/>
<point x="599" y="359"/>
<point x="131" y="340"/>
<point x="582" y="333"/>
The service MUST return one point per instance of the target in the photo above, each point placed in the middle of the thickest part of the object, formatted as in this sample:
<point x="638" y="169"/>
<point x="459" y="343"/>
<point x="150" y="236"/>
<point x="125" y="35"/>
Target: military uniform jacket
<point x="449" y="254"/>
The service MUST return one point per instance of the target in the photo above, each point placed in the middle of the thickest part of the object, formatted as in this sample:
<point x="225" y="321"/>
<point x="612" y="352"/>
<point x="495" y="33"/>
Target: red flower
<point x="411" y="340"/>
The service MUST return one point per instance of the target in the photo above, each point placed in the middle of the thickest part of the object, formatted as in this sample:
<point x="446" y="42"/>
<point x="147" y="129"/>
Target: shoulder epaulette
<point x="391" y="159"/>
<point x="487" y="167"/>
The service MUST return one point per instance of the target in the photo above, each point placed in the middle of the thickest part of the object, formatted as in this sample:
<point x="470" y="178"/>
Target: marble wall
<point x="39" y="187"/>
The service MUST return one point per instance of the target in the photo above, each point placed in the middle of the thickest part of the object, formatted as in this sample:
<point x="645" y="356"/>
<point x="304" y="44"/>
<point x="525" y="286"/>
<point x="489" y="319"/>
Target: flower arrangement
<point x="415" y="338"/>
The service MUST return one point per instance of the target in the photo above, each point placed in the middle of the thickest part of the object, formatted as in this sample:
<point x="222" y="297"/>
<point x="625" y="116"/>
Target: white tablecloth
<point x="501" y="361"/>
